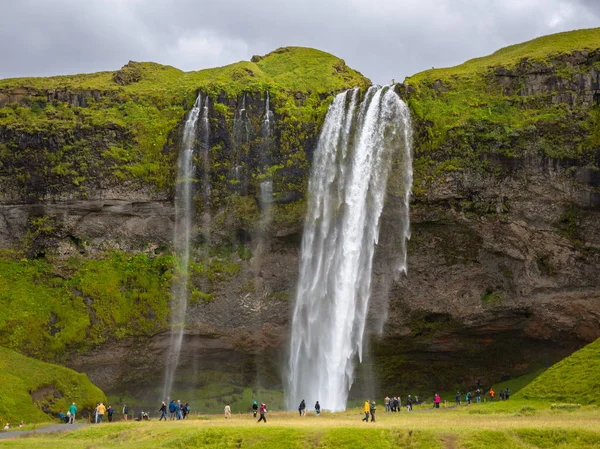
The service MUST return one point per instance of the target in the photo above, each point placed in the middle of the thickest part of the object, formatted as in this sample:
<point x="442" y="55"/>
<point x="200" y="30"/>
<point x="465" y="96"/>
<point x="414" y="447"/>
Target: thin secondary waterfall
<point x="206" y="181"/>
<point x="347" y="189"/>
<point x="241" y="140"/>
<point x="266" y="131"/>
<point x="184" y="211"/>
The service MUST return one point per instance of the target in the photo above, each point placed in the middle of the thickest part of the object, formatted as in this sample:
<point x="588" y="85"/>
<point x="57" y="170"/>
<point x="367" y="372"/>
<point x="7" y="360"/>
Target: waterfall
<point x="206" y="181"/>
<point x="347" y="189"/>
<point x="184" y="211"/>
<point x="266" y="131"/>
<point x="241" y="141"/>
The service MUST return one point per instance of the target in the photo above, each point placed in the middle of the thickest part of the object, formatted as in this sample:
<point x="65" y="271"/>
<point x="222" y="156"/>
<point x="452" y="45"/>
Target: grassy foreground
<point x="512" y="424"/>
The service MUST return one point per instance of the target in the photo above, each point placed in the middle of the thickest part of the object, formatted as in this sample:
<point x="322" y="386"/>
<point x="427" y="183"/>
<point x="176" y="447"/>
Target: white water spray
<point x="347" y="189"/>
<point x="184" y="211"/>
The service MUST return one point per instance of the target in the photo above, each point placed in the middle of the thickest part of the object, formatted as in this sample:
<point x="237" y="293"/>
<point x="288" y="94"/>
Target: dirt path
<point x="48" y="429"/>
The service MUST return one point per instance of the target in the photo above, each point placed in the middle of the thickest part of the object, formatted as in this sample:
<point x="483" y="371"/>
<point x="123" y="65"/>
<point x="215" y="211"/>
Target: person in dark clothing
<point x="186" y="410"/>
<point x="110" y="411"/>
<point x="478" y="395"/>
<point x="302" y="407"/>
<point x="163" y="411"/>
<point x="458" y="398"/>
<point x="372" y="409"/>
<point x="318" y="408"/>
<point x="507" y="394"/>
<point x="254" y="409"/>
<point x="263" y="410"/>
<point x="409" y="402"/>
<point x="172" y="409"/>
<point x="501" y="395"/>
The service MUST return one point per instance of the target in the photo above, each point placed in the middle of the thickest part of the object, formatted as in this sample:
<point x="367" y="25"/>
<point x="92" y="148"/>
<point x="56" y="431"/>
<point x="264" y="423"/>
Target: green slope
<point x="572" y="380"/>
<point x="20" y="376"/>
<point x="486" y="106"/>
<point x="540" y="49"/>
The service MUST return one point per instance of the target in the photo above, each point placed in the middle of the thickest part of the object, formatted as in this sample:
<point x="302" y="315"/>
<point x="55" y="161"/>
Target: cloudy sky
<point x="383" y="39"/>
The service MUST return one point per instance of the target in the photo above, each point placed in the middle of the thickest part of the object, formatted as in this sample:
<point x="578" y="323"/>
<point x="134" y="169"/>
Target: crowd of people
<point x="177" y="410"/>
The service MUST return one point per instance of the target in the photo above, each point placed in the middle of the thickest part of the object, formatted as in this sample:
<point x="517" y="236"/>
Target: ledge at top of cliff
<point x="541" y="50"/>
<point x="290" y="69"/>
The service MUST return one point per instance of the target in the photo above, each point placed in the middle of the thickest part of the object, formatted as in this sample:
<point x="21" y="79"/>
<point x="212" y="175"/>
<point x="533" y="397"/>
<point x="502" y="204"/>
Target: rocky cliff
<point x="503" y="259"/>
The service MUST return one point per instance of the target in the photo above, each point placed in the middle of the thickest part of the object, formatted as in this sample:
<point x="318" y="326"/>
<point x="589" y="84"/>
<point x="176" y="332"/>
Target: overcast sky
<point x="383" y="39"/>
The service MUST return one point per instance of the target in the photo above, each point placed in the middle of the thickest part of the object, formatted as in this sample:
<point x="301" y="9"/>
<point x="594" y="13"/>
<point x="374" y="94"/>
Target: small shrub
<point x="568" y="407"/>
<point x="526" y="410"/>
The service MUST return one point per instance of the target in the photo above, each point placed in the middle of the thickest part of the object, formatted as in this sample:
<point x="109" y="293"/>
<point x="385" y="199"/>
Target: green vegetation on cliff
<point x="29" y="387"/>
<point x="49" y="307"/>
<point x="119" y="123"/>
<point x="574" y="379"/>
<point x="527" y="100"/>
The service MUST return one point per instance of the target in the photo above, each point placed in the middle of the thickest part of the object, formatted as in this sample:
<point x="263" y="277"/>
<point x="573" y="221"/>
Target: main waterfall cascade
<point x="184" y="211"/>
<point x="347" y="189"/>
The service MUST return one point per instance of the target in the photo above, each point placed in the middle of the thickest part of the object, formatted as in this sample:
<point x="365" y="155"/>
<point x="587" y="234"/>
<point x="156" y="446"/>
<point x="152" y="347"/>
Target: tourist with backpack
<point x="263" y="411"/>
<point x="302" y="408"/>
<point x="125" y="412"/>
<point x="318" y="408"/>
<point x="254" y="409"/>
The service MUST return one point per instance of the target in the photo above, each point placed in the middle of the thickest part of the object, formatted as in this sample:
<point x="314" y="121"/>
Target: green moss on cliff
<point x="30" y="386"/>
<point x="50" y="307"/>
<point x="523" y="101"/>
<point x="145" y="101"/>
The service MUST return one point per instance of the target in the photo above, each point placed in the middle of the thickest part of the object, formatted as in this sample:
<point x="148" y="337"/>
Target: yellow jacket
<point x="101" y="409"/>
<point x="367" y="409"/>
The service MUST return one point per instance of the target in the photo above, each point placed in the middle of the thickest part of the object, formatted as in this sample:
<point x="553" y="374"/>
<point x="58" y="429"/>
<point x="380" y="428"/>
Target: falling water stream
<point x="347" y="189"/>
<point x="184" y="210"/>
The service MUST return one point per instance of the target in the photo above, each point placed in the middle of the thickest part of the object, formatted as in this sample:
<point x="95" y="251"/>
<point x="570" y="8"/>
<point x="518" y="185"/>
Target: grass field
<point x="511" y="424"/>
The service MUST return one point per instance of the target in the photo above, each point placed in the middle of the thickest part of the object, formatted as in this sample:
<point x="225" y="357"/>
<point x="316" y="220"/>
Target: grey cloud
<point x="383" y="39"/>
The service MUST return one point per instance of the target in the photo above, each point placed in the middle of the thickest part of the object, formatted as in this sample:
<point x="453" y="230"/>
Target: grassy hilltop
<point x="522" y="100"/>
<point x="141" y="104"/>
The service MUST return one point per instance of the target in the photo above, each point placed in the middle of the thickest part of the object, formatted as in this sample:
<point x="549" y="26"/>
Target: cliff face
<point x="503" y="259"/>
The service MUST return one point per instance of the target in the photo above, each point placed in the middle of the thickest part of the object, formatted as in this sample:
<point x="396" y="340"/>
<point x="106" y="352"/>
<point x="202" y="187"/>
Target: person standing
<point x="254" y="409"/>
<point x="186" y="410"/>
<point x="409" y="403"/>
<point x="109" y="412"/>
<point x="507" y="393"/>
<point x="172" y="409"/>
<point x="478" y="395"/>
<point x="437" y="400"/>
<point x="468" y="398"/>
<point x="366" y="410"/>
<point x="227" y="411"/>
<point x="125" y="411"/>
<point x="318" y="408"/>
<point x="263" y="411"/>
<point x="101" y="409"/>
<point x="179" y="409"/>
<point x="163" y="411"/>
<point x="72" y="411"/>
<point x="302" y="407"/>
<point x="492" y="394"/>
<point x="372" y="409"/>
<point x="386" y="402"/>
